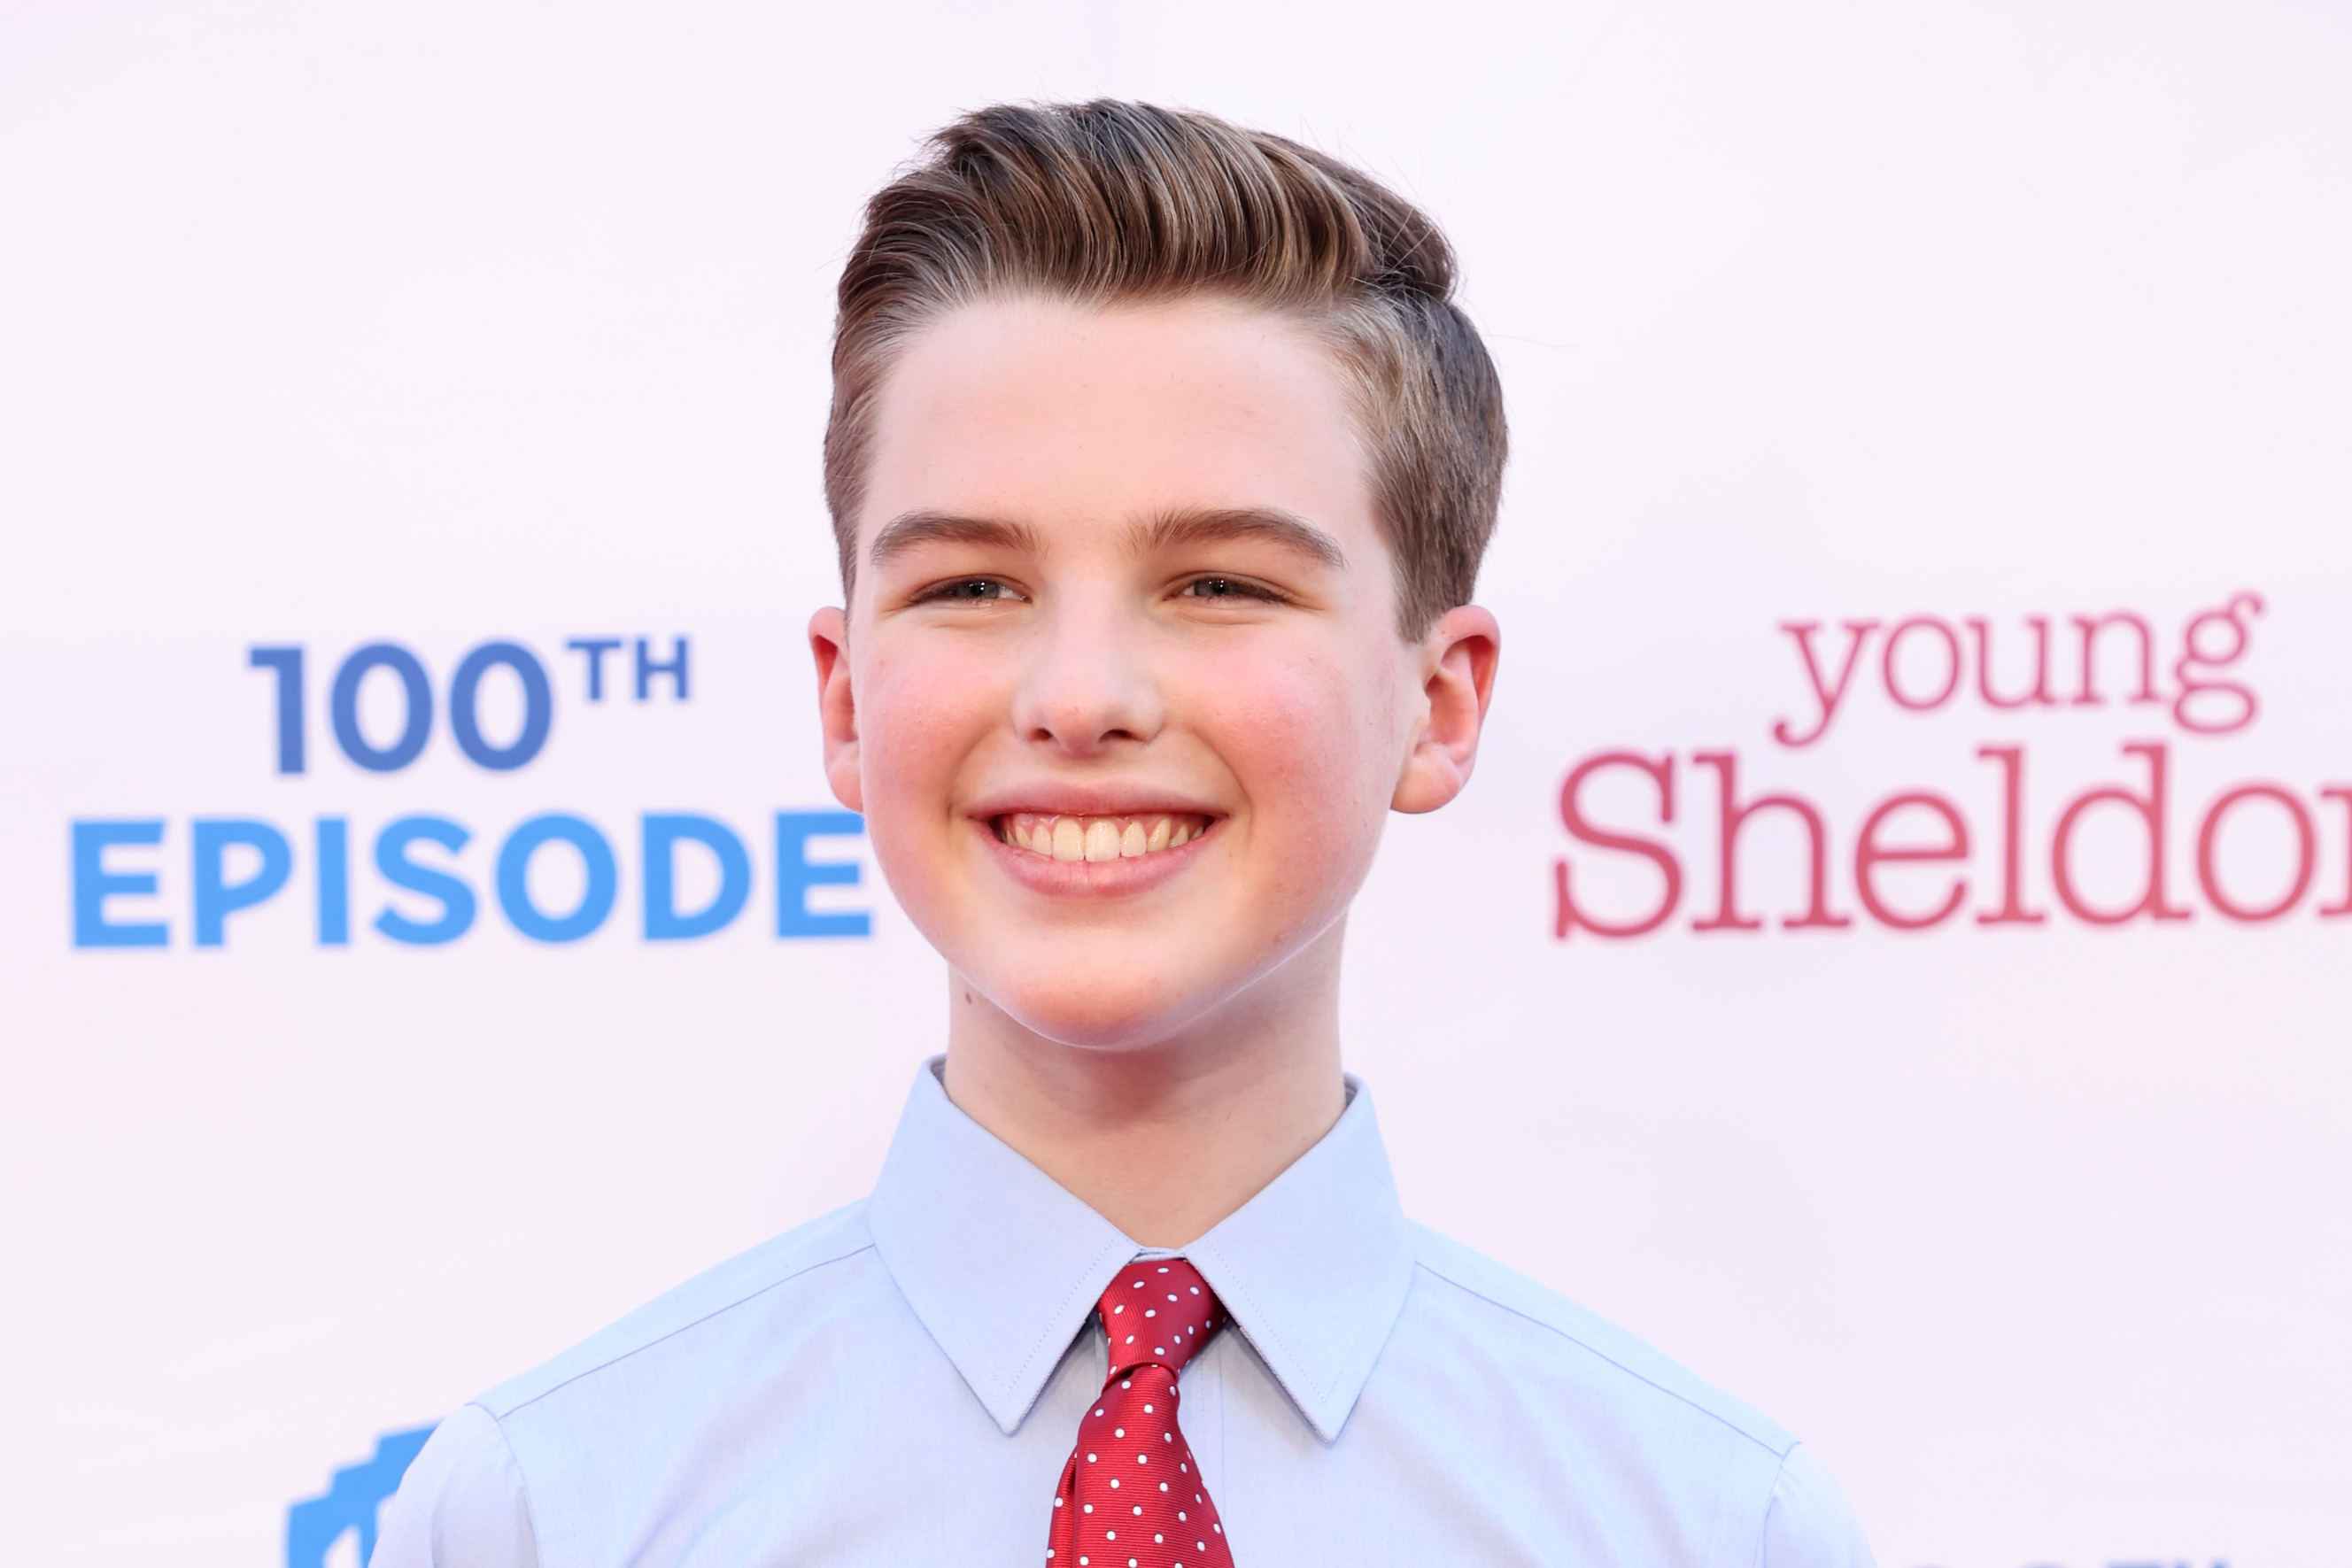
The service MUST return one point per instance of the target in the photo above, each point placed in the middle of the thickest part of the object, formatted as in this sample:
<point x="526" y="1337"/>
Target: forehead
<point x="1062" y="416"/>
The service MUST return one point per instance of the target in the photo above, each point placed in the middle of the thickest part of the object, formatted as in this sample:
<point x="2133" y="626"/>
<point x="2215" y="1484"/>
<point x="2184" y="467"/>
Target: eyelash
<point x="1238" y="588"/>
<point x="953" y="592"/>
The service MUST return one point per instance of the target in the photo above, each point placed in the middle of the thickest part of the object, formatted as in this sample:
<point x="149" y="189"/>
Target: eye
<point x="1229" y="588"/>
<point x="963" y="590"/>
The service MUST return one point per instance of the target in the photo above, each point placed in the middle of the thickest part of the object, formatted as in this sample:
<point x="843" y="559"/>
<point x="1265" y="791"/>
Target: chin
<point x="1135" y="1016"/>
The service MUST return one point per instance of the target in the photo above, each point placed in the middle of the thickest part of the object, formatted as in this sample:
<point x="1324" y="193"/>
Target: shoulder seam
<point x="1772" y="1501"/>
<point x="1639" y="1376"/>
<point x="640" y="1346"/>
<point x="522" y="1482"/>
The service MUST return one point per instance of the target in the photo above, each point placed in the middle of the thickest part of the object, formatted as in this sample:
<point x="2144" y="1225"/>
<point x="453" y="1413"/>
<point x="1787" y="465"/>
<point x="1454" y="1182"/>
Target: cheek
<point x="919" y="715"/>
<point x="1306" y="733"/>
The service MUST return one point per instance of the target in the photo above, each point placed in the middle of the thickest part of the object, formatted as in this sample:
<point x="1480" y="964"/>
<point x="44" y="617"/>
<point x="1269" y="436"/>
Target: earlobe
<point x="1458" y="660"/>
<point x="837" y="705"/>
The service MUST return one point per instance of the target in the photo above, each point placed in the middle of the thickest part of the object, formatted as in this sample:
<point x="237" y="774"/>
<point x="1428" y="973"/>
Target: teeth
<point x="1097" y="838"/>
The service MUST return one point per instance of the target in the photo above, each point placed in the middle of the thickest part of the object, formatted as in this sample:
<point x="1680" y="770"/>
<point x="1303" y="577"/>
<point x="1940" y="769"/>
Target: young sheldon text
<point x="2102" y="851"/>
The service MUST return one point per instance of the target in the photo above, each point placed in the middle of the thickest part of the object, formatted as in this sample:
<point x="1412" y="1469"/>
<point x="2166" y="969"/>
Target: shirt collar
<point x="1002" y="1264"/>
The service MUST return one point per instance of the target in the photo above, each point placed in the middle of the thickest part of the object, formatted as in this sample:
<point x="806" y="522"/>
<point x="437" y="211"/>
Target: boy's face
<point x="1120" y="689"/>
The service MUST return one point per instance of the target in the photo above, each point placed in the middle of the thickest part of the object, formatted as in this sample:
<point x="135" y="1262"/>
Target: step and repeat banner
<point x="1893" y="957"/>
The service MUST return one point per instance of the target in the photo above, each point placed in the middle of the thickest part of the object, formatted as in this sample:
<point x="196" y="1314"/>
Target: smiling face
<point x="1120" y="689"/>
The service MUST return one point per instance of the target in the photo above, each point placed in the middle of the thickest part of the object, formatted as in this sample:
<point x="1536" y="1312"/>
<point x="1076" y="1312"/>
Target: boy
<point x="1162" y="467"/>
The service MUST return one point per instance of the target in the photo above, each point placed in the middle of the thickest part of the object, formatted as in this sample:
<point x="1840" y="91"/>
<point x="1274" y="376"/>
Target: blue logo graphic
<point x="313" y="1526"/>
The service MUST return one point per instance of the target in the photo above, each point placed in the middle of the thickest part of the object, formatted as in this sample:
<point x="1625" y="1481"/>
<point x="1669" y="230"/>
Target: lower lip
<point x="1092" y="879"/>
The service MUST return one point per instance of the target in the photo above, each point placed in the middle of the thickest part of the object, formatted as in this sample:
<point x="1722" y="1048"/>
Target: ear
<point x="837" y="705"/>
<point x="1457" y="661"/>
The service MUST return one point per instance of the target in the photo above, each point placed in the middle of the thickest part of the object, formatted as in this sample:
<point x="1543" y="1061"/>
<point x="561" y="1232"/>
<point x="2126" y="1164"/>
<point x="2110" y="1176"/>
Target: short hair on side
<point x="1106" y="201"/>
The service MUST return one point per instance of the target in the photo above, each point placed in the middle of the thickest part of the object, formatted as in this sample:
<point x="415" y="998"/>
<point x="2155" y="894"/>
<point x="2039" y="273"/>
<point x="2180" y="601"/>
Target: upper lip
<point x="1089" y="800"/>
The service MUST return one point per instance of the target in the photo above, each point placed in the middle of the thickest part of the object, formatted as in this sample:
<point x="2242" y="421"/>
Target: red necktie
<point x="1131" y="1496"/>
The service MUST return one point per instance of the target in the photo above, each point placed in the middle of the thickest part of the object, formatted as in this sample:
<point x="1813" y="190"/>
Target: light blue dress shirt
<point x="900" y="1382"/>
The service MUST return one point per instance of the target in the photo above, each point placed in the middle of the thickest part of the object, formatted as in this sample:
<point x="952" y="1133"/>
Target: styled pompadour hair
<point x="1105" y="202"/>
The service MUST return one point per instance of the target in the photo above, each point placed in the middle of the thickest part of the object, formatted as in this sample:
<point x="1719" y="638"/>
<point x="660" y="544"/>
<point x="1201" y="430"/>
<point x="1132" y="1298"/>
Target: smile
<point x="1069" y="838"/>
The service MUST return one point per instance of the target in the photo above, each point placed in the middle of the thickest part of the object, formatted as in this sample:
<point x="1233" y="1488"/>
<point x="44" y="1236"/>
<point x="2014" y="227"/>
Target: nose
<point x="1088" y="689"/>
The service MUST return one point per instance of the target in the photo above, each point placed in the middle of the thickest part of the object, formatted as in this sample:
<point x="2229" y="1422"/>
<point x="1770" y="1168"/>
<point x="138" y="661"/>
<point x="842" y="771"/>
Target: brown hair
<point x="1101" y="201"/>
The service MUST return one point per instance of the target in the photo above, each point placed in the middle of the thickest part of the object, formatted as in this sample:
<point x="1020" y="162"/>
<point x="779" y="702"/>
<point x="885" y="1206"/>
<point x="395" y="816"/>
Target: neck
<point x="1167" y="1138"/>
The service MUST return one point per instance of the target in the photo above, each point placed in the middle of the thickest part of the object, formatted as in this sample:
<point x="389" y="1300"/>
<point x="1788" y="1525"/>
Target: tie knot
<point x="1158" y="1310"/>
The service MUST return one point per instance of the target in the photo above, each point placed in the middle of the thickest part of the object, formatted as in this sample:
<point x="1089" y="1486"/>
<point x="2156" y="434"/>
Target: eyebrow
<point x="906" y="531"/>
<point x="1267" y="524"/>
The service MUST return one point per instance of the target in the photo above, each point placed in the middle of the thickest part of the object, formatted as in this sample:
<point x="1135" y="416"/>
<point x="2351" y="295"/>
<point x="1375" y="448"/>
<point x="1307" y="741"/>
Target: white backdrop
<point x="322" y="327"/>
